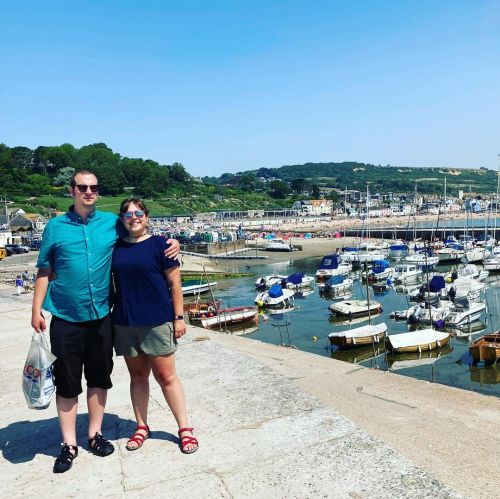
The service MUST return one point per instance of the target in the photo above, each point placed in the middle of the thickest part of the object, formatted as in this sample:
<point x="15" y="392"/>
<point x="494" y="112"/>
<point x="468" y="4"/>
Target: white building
<point x="314" y="207"/>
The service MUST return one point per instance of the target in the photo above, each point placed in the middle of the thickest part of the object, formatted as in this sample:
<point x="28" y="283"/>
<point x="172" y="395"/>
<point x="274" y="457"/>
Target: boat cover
<point x="275" y="291"/>
<point x="336" y="279"/>
<point x="399" y="247"/>
<point x="329" y="262"/>
<point x="349" y="249"/>
<point x="455" y="246"/>
<point x="295" y="278"/>
<point x="368" y="330"/>
<point x="415" y="338"/>
<point x="437" y="284"/>
<point x="378" y="266"/>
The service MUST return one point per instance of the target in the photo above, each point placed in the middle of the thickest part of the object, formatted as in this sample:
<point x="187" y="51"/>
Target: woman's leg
<point x="165" y="374"/>
<point x="139" y="369"/>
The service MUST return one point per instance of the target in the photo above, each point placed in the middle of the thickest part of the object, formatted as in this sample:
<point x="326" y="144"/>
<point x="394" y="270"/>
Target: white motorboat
<point x="451" y="253"/>
<point x="357" y="258"/>
<point x="470" y="271"/>
<point x="425" y="314"/>
<point x="331" y="265"/>
<point x="463" y="312"/>
<point x="398" y="249"/>
<point x="417" y="341"/>
<point x="422" y="261"/>
<point x="298" y="280"/>
<point x="337" y="285"/>
<point x="278" y="245"/>
<point x="268" y="280"/>
<point x="359" y="337"/>
<point x="492" y="264"/>
<point x="196" y="287"/>
<point x="406" y="273"/>
<point x="380" y="271"/>
<point x="475" y="254"/>
<point x="275" y="297"/>
<point x="469" y="288"/>
<point x="355" y="308"/>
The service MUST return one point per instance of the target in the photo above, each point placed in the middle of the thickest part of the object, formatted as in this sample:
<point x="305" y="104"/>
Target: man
<point x="77" y="247"/>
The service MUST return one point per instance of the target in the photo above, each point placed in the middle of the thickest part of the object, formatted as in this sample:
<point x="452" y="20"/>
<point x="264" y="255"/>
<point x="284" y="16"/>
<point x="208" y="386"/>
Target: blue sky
<point x="225" y="86"/>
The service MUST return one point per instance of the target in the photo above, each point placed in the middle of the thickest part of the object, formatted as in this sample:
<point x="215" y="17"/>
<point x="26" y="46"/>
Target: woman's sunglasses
<point x="83" y="187"/>
<point x="137" y="213"/>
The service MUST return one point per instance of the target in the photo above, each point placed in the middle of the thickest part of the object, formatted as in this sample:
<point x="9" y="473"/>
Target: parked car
<point x="15" y="249"/>
<point x="35" y="245"/>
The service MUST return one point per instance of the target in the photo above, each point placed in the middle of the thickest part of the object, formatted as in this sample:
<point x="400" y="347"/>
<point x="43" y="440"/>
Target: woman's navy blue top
<point x="142" y="296"/>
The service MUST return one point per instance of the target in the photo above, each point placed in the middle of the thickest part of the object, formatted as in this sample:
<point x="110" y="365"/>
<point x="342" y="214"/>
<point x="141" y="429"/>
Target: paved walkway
<point x="261" y="433"/>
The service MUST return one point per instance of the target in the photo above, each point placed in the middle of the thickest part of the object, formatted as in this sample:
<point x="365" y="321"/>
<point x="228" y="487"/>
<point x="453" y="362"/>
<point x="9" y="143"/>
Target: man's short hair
<point x="72" y="182"/>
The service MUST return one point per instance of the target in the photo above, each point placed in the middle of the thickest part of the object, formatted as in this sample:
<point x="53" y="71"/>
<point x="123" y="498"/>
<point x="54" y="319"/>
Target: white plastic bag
<point x="38" y="380"/>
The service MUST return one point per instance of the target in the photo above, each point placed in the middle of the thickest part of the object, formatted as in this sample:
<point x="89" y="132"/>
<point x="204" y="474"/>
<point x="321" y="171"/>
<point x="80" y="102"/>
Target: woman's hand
<point x="179" y="328"/>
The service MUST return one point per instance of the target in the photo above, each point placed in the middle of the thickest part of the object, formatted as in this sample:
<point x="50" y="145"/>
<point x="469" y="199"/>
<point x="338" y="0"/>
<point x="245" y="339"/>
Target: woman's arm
<point x="173" y="276"/>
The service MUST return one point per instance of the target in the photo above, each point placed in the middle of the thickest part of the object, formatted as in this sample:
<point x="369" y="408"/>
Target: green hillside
<point x="37" y="180"/>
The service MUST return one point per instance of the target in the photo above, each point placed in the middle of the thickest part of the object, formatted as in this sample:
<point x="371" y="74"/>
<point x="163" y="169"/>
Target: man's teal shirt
<point x="80" y="255"/>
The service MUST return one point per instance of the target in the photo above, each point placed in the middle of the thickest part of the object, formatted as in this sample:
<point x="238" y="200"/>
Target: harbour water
<point x="307" y="326"/>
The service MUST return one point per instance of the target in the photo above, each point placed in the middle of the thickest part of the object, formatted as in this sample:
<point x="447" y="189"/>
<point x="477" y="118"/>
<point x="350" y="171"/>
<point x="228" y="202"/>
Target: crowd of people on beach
<point x="109" y="284"/>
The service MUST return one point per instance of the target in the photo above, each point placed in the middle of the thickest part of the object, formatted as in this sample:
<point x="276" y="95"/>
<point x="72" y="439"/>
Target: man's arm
<point x="174" y="249"/>
<point x="41" y="287"/>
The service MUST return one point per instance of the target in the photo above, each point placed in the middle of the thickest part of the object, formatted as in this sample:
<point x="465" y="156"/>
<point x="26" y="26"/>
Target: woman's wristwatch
<point x="179" y="318"/>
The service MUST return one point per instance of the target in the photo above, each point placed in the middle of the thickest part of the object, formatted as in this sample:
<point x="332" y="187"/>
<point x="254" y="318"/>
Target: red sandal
<point x="138" y="438"/>
<point x="187" y="440"/>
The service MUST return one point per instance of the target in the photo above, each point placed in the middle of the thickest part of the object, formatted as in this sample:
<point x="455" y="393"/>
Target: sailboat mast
<point x="496" y="203"/>
<point x="444" y="211"/>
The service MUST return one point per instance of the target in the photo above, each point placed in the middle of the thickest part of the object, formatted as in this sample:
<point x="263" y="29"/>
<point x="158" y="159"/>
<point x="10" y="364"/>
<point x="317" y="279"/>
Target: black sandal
<point x="65" y="459"/>
<point x="99" y="446"/>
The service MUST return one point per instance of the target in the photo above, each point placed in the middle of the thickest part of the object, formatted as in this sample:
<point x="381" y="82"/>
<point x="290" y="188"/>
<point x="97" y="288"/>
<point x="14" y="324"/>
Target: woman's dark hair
<point x="137" y="201"/>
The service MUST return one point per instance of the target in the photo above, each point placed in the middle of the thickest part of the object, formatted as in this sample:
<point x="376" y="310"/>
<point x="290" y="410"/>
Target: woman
<point x="148" y="318"/>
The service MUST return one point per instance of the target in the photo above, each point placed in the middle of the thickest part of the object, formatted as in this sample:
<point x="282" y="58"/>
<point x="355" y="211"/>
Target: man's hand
<point x="179" y="328"/>
<point x="174" y="249"/>
<point x="38" y="322"/>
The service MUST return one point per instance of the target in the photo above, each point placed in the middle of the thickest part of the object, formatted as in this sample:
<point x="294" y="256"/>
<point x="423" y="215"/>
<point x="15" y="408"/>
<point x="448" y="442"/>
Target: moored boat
<point x="331" y="265"/>
<point x="355" y="308"/>
<point x="228" y="317"/>
<point x="486" y="348"/>
<point x="337" y="285"/>
<point x="275" y="297"/>
<point x="359" y="337"/>
<point x="417" y="341"/>
<point x="278" y="245"/>
<point x="196" y="287"/>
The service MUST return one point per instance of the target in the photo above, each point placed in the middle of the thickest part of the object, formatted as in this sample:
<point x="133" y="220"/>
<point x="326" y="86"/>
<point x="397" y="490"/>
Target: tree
<point x="299" y="185"/>
<point x="279" y="189"/>
<point x="178" y="173"/>
<point x="63" y="177"/>
<point x="315" y="191"/>
<point x="22" y="157"/>
<point x="333" y="196"/>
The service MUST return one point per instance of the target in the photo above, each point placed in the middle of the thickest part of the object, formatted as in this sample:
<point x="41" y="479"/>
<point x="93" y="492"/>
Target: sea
<point x="307" y="325"/>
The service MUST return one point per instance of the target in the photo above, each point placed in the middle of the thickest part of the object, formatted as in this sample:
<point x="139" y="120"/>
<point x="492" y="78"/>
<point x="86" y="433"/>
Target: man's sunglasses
<point x="83" y="187"/>
<point x="137" y="213"/>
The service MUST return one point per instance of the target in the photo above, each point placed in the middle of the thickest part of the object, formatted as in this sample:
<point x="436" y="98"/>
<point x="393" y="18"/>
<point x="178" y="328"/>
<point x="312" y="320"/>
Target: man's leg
<point x="98" y="365"/>
<point x="66" y="411"/>
<point x="96" y="403"/>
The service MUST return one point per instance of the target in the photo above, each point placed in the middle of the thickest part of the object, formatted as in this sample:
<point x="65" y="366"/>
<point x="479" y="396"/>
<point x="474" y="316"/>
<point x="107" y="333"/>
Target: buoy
<point x="315" y="338"/>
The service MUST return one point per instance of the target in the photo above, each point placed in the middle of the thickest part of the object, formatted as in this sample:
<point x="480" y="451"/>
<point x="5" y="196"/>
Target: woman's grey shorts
<point x="132" y="341"/>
